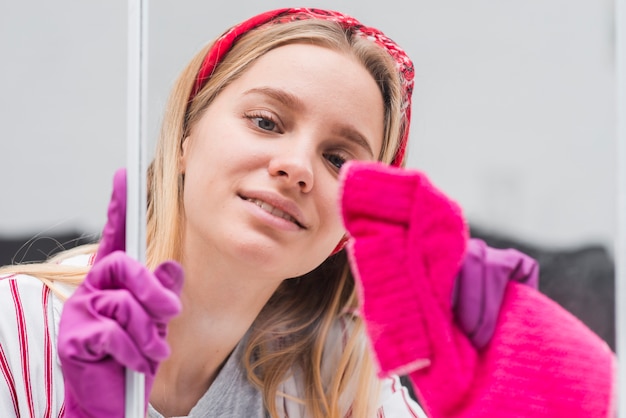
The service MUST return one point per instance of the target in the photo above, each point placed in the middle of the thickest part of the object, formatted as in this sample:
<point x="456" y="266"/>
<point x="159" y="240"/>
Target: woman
<point x="243" y="199"/>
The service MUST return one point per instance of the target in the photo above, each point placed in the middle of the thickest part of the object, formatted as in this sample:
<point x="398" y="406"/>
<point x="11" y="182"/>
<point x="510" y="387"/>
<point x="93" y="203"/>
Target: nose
<point x="294" y="167"/>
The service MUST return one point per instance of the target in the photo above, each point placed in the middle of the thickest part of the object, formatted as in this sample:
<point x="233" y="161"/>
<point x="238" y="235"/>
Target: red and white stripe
<point x="23" y="343"/>
<point x="8" y="378"/>
<point x="47" y="353"/>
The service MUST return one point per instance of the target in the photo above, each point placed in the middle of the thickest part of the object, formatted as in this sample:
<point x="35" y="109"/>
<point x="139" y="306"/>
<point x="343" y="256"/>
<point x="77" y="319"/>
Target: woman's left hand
<point x="116" y="319"/>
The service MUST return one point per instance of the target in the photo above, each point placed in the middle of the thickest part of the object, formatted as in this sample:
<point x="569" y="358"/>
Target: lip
<point x="279" y="202"/>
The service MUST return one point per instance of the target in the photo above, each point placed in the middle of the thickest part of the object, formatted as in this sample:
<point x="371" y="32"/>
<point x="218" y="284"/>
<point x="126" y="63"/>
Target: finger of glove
<point x="114" y="232"/>
<point x="477" y="295"/>
<point x="132" y="320"/>
<point x="119" y="271"/>
<point x="481" y="284"/>
<point x="111" y="324"/>
<point x="123" y="349"/>
<point x="171" y="275"/>
<point x="523" y="268"/>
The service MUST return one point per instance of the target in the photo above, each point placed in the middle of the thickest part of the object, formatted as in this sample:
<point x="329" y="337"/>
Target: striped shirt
<point x="31" y="383"/>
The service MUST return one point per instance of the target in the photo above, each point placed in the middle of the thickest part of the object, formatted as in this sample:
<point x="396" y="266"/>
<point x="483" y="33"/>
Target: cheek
<point x="201" y="176"/>
<point x="192" y="197"/>
<point x="336" y="221"/>
<point x="332" y="219"/>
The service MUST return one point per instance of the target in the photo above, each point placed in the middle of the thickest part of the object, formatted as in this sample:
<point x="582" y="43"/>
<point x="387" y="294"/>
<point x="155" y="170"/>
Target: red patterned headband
<point x="403" y="63"/>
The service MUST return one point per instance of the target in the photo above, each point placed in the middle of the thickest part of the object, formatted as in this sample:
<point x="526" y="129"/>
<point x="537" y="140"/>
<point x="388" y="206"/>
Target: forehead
<point x="327" y="84"/>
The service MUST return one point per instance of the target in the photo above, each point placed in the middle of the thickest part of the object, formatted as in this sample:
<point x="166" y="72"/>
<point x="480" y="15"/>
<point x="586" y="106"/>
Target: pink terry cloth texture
<point x="408" y="241"/>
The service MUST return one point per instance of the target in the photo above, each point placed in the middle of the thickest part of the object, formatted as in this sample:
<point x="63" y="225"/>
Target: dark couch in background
<point x="581" y="279"/>
<point x="16" y="250"/>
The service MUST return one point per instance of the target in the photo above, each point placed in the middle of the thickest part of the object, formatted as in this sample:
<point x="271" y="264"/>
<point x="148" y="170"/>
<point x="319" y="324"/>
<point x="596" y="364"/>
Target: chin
<point x="282" y="263"/>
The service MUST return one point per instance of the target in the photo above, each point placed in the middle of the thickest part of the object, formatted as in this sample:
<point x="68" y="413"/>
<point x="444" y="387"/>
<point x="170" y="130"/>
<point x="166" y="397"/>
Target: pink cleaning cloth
<point x="407" y="245"/>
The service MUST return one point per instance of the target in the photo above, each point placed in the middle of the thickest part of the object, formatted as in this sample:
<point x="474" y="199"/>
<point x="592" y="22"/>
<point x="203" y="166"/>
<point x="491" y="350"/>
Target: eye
<point x="263" y="122"/>
<point x="335" y="159"/>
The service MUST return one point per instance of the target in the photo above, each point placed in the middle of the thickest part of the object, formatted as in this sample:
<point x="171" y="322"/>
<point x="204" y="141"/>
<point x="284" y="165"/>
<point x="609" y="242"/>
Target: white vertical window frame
<point x="136" y="166"/>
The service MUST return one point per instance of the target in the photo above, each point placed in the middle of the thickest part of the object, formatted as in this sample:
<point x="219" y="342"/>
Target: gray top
<point x="230" y="396"/>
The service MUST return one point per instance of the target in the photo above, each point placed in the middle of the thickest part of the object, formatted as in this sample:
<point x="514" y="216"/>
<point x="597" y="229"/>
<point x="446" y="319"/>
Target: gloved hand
<point x="116" y="318"/>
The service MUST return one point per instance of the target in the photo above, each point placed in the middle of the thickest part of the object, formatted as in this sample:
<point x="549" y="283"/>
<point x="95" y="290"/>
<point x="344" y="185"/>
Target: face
<point x="261" y="165"/>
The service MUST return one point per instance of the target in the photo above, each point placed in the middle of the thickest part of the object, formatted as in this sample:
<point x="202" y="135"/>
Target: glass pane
<point x="63" y="112"/>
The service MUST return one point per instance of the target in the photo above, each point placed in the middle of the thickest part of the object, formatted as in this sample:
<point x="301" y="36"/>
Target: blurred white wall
<point x="513" y="105"/>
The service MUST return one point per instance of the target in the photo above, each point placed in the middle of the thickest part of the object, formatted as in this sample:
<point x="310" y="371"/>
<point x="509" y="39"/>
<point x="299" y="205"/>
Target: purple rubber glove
<point x="117" y="318"/>
<point x="480" y="286"/>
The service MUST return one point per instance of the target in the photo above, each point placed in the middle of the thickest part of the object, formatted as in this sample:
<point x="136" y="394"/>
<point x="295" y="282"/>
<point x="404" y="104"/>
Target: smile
<point x="274" y="211"/>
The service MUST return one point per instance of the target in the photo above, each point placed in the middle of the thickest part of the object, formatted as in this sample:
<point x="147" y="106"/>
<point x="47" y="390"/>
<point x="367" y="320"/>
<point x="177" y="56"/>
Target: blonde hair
<point x="292" y="330"/>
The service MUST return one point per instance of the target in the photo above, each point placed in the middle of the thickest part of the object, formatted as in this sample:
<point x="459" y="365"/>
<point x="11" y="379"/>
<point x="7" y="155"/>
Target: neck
<point x="220" y="303"/>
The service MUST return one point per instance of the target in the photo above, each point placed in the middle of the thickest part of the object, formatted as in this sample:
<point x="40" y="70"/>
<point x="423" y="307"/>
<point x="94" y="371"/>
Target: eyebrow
<point x="282" y="96"/>
<point x="294" y="102"/>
